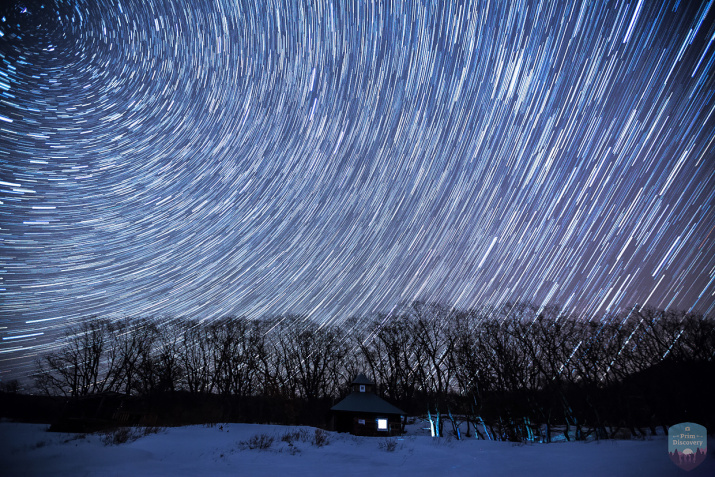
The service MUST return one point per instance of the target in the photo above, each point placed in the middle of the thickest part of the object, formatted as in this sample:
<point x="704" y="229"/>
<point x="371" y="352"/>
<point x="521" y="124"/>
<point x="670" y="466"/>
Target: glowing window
<point x="382" y="424"/>
<point x="362" y="388"/>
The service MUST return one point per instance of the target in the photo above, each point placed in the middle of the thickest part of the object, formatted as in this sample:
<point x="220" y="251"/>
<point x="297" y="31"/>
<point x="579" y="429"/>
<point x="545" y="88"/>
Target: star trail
<point x="338" y="158"/>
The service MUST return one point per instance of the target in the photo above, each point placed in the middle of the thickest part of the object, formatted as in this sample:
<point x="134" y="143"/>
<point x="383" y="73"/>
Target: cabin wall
<point x="364" y="424"/>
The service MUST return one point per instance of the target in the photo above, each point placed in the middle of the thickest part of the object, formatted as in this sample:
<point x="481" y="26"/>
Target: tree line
<point x="515" y="372"/>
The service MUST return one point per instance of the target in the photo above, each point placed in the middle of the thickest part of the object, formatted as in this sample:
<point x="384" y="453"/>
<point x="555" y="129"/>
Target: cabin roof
<point x="362" y="379"/>
<point x="366" y="402"/>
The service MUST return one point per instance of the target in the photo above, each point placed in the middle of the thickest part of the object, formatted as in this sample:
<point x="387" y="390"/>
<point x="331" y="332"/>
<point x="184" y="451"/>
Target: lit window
<point x="362" y="388"/>
<point x="382" y="424"/>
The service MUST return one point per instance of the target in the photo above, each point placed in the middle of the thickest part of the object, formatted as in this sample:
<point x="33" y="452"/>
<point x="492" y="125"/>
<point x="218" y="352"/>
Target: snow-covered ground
<point x="27" y="450"/>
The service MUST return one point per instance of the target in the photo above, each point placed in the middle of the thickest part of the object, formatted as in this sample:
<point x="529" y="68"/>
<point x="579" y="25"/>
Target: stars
<point x="335" y="159"/>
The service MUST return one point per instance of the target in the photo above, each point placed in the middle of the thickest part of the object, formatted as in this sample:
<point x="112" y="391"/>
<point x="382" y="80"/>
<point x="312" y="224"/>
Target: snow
<point x="28" y="450"/>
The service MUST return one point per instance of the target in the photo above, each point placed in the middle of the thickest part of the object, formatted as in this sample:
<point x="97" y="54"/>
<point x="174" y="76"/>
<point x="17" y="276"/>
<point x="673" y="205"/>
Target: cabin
<point x="364" y="413"/>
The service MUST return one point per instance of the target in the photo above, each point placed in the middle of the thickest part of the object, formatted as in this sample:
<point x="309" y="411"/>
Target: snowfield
<point x="28" y="450"/>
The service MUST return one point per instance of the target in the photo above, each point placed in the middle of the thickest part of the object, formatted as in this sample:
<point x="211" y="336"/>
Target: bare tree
<point x="236" y="345"/>
<point x="157" y="365"/>
<point x="435" y="342"/>
<point x="195" y="358"/>
<point x="130" y="345"/>
<point x="312" y="356"/>
<point x="473" y="376"/>
<point x="81" y="366"/>
<point x="390" y="355"/>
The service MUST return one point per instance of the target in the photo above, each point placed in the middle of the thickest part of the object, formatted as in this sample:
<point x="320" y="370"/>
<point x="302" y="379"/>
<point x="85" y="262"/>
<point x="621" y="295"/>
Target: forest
<point x="517" y="372"/>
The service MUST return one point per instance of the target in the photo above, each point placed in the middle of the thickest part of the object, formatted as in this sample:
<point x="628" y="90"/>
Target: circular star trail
<point x="338" y="158"/>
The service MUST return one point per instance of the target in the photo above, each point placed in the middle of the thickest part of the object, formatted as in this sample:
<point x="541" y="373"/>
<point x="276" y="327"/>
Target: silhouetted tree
<point x="81" y="365"/>
<point x="195" y="358"/>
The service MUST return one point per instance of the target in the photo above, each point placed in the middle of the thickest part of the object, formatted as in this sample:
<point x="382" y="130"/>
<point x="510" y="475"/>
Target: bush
<point x="39" y="445"/>
<point x="75" y="437"/>
<point x="151" y="430"/>
<point x="291" y="437"/>
<point x="259" y="441"/>
<point x="321" y="438"/>
<point x="388" y="445"/>
<point x="120" y="435"/>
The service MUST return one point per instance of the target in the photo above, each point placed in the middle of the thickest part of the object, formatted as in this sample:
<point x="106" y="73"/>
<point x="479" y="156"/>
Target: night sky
<point x="336" y="158"/>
